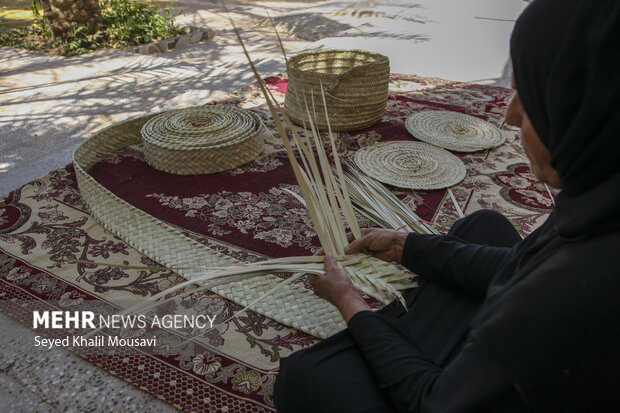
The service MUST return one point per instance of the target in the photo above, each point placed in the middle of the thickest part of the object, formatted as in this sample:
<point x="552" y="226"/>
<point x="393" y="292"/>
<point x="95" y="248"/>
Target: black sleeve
<point x="453" y="263"/>
<point x="472" y="382"/>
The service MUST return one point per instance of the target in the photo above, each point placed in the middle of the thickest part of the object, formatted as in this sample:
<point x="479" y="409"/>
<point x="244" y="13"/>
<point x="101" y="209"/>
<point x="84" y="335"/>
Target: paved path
<point x="49" y="104"/>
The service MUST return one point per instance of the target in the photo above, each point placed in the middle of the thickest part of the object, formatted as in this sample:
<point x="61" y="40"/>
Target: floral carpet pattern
<point x="247" y="213"/>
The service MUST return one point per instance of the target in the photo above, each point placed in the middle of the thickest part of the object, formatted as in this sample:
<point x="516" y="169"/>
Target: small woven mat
<point x="413" y="165"/>
<point x="454" y="131"/>
<point x="202" y="140"/>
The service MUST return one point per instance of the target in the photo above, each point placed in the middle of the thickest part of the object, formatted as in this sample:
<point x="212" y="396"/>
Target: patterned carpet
<point x="245" y="213"/>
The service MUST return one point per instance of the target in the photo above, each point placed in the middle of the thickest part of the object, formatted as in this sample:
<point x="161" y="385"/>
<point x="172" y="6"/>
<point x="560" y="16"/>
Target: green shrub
<point x="126" y="23"/>
<point x="121" y="23"/>
<point x="33" y="36"/>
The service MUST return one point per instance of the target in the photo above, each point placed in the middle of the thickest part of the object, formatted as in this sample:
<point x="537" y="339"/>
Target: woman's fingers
<point x="355" y="242"/>
<point x="322" y="284"/>
<point x="330" y="264"/>
<point x="366" y="231"/>
<point x="364" y="243"/>
<point x="350" y="236"/>
<point x="315" y="284"/>
<point x="357" y="245"/>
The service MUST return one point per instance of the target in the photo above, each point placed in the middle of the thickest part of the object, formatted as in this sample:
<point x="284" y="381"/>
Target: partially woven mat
<point x="299" y="308"/>
<point x="202" y="140"/>
<point x="454" y="131"/>
<point x="413" y="165"/>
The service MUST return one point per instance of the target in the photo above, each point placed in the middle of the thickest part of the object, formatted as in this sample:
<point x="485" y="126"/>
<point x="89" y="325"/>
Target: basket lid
<point x="200" y="127"/>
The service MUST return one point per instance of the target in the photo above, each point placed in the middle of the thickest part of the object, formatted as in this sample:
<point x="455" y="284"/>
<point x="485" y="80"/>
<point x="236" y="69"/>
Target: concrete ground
<point x="49" y="104"/>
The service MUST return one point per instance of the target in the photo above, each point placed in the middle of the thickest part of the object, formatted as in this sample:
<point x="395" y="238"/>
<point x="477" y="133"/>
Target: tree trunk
<point x="61" y="13"/>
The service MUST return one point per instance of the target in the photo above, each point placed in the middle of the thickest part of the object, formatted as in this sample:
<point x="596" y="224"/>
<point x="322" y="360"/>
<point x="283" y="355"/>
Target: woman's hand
<point x="385" y="244"/>
<point x="336" y="287"/>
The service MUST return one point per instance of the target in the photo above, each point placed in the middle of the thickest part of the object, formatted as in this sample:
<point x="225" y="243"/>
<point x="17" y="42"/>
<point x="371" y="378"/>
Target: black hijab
<point x="566" y="59"/>
<point x="553" y="326"/>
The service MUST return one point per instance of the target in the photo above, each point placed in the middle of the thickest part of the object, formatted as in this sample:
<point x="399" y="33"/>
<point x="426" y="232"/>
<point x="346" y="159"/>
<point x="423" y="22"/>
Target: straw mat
<point x="298" y="308"/>
<point x="454" y="131"/>
<point x="413" y="165"/>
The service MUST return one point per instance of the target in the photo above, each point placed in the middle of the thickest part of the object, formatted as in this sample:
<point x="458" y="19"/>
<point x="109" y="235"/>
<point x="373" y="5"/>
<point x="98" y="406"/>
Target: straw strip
<point x="456" y="204"/>
<point x="380" y="205"/>
<point x="323" y="208"/>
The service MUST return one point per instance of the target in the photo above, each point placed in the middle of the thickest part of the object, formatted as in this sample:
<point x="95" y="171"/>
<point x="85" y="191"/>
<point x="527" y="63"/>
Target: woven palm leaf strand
<point x="377" y="203"/>
<point x="370" y="280"/>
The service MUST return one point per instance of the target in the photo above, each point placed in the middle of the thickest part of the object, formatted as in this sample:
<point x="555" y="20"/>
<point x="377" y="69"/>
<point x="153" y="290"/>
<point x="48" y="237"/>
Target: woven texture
<point x="297" y="307"/>
<point x="355" y="84"/>
<point x="202" y="140"/>
<point x="454" y="131"/>
<point x="413" y="165"/>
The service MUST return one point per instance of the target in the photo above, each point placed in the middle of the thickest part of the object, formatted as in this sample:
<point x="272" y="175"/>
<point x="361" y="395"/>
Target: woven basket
<point x="202" y="140"/>
<point x="355" y="84"/>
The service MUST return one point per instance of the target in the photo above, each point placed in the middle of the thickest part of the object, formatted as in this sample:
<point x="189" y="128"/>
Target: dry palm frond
<point x="456" y="204"/>
<point x="327" y="201"/>
<point x="374" y="277"/>
<point x="380" y="205"/>
<point x="550" y="194"/>
<point x="275" y="29"/>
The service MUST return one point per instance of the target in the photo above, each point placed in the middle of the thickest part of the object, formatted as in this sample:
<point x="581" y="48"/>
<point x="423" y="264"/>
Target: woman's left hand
<point x="336" y="287"/>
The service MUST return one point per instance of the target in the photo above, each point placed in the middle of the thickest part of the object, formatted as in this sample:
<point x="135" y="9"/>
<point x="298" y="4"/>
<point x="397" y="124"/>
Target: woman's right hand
<point x="385" y="244"/>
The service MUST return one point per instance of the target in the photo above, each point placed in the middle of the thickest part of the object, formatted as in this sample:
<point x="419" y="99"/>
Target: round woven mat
<point x="412" y="165"/>
<point x="454" y="131"/>
<point x="202" y="140"/>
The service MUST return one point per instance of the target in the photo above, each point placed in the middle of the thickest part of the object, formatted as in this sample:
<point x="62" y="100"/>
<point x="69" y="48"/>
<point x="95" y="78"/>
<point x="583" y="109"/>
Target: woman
<point x="500" y="324"/>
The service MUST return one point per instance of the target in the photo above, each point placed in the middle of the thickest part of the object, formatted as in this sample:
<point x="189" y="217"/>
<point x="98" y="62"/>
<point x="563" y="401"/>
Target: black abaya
<point x="494" y="329"/>
<point x="332" y="376"/>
